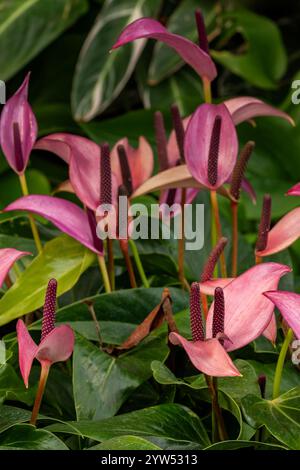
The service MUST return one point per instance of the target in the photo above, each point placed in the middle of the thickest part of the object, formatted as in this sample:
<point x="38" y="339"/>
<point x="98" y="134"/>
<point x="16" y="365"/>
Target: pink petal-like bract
<point x="294" y="191"/>
<point x="17" y="112"/>
<point x="284" y="233"/>
<point x="27" y="350"/>
<point x="57" y="346"/>
<point x="198" y="140"/>
<point x="65" y="215"/>
<point x="208" y="287"/>
<point x="207" y="356"/>
<point x="83" y="156"/>
<point x="8" y="256"/>
<point x="190" y="52"/>
<point x="140" y="161"/>
<point x="271" y="331"/>
<point x="247" y="313"/>
<point x="288" y="303"/>
<point x="244" y="108"/>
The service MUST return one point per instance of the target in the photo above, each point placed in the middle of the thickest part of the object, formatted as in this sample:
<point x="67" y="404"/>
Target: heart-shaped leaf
<point x="27" y="437"/>
<point x="126" y="443"/>
<point x="63" y="259"/>
<point x="16" y="19"/>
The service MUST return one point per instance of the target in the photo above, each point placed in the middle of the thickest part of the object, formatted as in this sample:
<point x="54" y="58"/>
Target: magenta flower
<point x="8" y="256"/>
<point x="248" y="315"/>
<point x="206" y="354"/>
<point x="84" y="159"/>
<point x="56" y="343"/>
<point x="18" y="129"/>
<point x="289" y="305"/>
<point x="190" y="52"/>
<point x="65" y="215"/>
<point x="294" y="191"/>
<point x="211" y="145"/>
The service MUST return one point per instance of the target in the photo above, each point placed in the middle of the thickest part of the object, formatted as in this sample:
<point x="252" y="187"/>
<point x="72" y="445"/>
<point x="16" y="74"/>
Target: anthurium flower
<point x="294" y="191"/>
<point x="211" y="145"/>
<point x="56" y="343"/>
<point x="65" y="215"/>
<point x="190" y="52"/>
<point x="288" y="303"/>
<point x="206" y="354"/>
<point x="284" y="233"/>
<point x="18" y="129"/>
<point x="247" y="314"/>
<point x="83" y="157"/>
<point x="8" y="256"/>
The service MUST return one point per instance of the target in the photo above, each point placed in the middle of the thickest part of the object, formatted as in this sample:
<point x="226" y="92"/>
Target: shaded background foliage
<point x="77" y="86"/>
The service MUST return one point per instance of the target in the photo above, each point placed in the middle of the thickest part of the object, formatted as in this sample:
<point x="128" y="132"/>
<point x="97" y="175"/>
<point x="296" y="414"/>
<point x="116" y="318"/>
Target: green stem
<point x="138" y="263"/>
<point x="34" y="230"/>
<point x="104" y="273"/>
<point x="280" y="363"/>
<point x="40" y="392"/>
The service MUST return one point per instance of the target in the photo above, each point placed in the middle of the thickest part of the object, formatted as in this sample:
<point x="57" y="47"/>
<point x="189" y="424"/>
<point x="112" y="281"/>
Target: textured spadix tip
<point x="219" y="312"/>
<point x="240" y="168"/>
<point x="213" y="155"/>
<point x="106" y="176"/>
<point x="196" y="314"/>
<point x="49" y="310"/>
<point x="179" y="130"/>
<point x="202" y="36"/>
<point x="161" y="141"/>
<point x="125" y="169"/>
<point x="265" y="223"/>
<point x="208" y="270"/>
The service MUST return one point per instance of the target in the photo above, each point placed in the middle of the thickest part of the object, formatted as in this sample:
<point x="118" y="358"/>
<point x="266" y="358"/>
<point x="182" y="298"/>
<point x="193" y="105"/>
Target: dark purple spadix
<point x="219" y="312"/>
<point x="49" y="310"/>
<point x="125" y="169"/>
<point x="265" y="223"/>
<point x="262" y="379"/>
<point x="240" y="168"/>
<point x="161" y="141"/>
<point x="213" y="155"/>
<point x="98" y="244"/>
<point x="18" y="147"/>
<point x="179" y="130"/>
<point x="202" y="36"/>
<point x="195" y="313"/>
<point x="106" y="176"/>
<point x="212" y="260"/>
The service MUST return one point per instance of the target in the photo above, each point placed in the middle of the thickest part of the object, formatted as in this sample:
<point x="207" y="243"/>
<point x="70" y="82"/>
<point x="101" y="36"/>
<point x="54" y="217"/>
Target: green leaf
<point x="27" y="26"/>
<point x="236" y="387"/>
<point x="10" y="415"/>
<point x="62" y="258"/>
<point x="281" y="416"/>
<point x="2" y="352"/>
<point x="169" y="426"/>
<point x="290" y="376"/>
<point x="100" y="76"/>
<point x="27" y="437"/>
<point x="234" y="445"/>
<point x="264" y="61"/>
<point x="102" y="382"/>
<point x="182" y="21"/>
<point x="126" y="443"/>
<point x="114" y="129"/>
<point x="12" y="387"/>
<point x="117" y="313"/>
<point x="11" y="190"/>
<point x="181" y="88"/>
